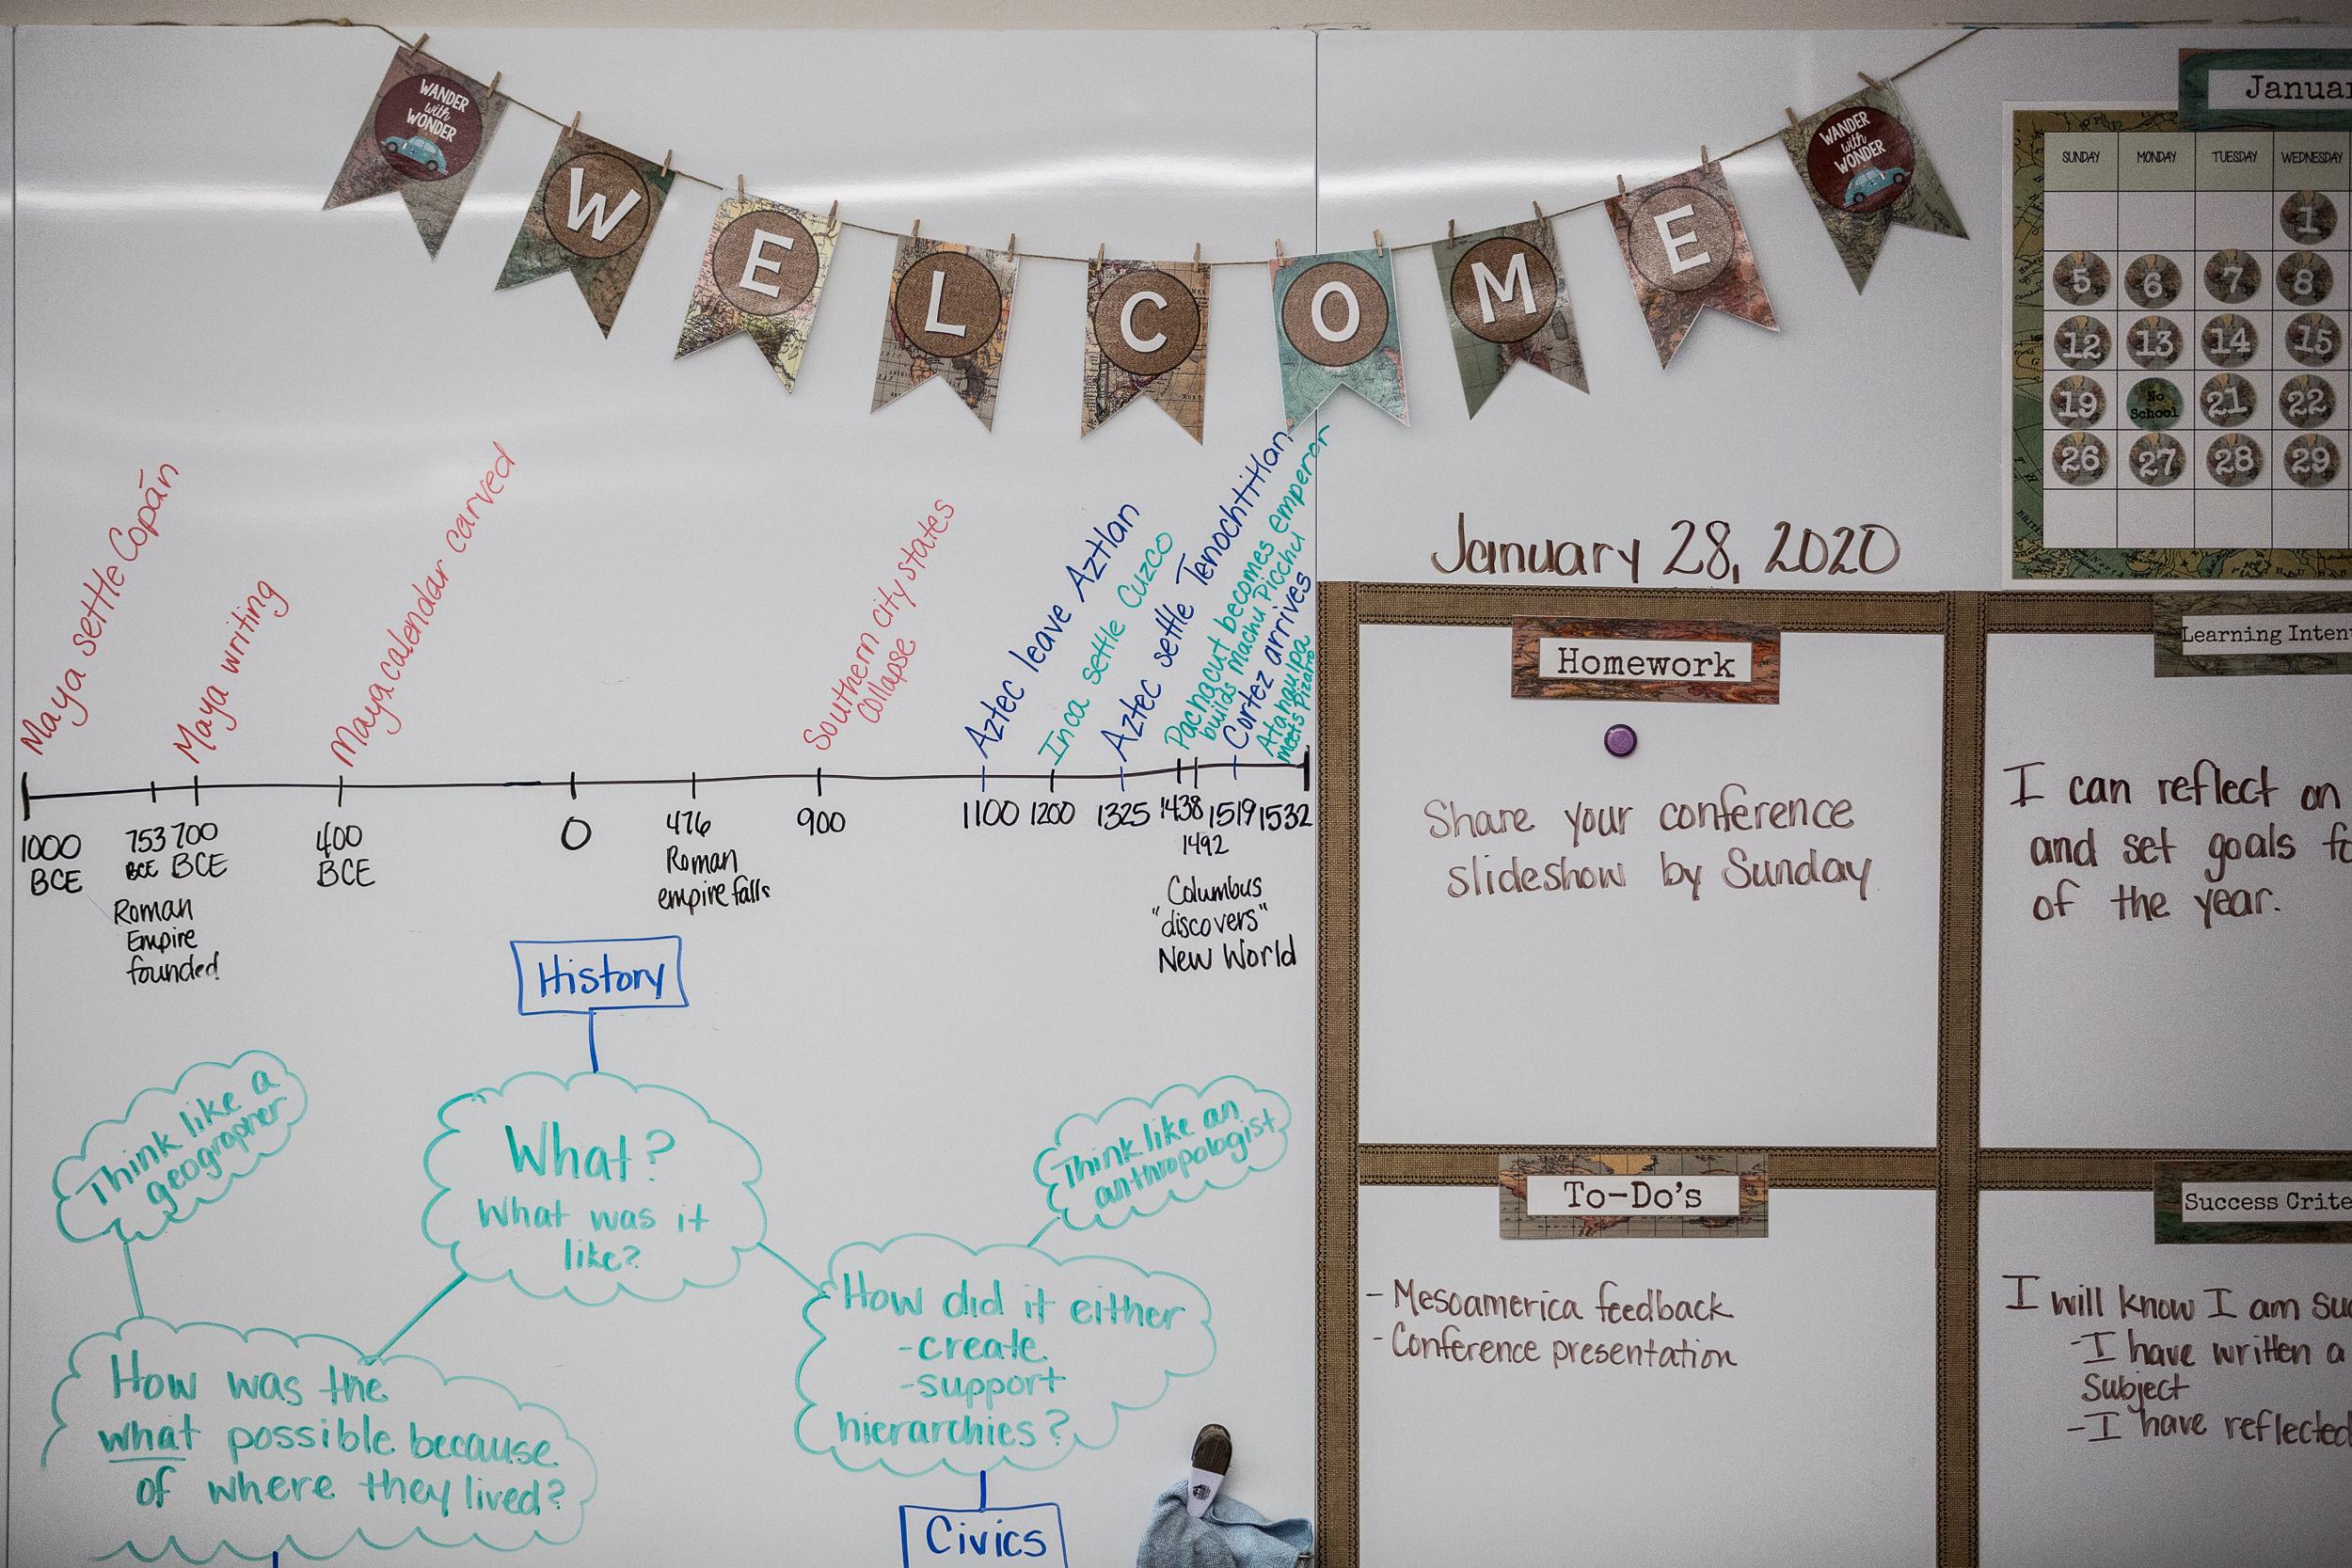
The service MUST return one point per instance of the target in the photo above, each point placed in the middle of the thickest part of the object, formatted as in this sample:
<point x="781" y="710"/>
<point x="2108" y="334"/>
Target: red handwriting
<point x="212" y="707"/>
<point x="101" y="592"/>
<point x="402" y="641"/>
<point x="874" y="674"/>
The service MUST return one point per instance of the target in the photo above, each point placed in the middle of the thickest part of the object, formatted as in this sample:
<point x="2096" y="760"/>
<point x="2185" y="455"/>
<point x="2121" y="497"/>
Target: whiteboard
<point x="2112" y="1023"/>
<point x="1887" y="406"/>
<point x="895" y="1036"/>
<point x="1599" y="1014"/>
<point x="1817" y="1446"/>
<point x="2051" y="1494"/>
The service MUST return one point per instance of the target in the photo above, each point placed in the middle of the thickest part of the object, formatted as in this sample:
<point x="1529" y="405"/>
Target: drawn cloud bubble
<point x="932" y="1355"/>
<point x="1136" y="1157"/>
<point x="592" y="1187"/>
<point x="192" y="1439"/>
<point x="173" y="1150"/>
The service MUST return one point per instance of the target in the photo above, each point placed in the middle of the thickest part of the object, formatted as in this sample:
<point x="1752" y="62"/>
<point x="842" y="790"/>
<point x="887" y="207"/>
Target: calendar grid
<point x="2182" y="296"/>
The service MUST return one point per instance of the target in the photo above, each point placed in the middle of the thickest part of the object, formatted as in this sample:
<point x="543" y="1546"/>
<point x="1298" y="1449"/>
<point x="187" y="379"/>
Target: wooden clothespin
<point x="1278" y="257"/>
<point x="1539" y="210"/>
<point x="738" y="187"/>
<point x="1012" y="243"/>
<point x="1196" y="253"/>
<point x="1704" y="158"/>
<point x="667" y="153"/>
<point x="1449" y="231"/>
<point x="1869" y="80"/>
<point x="1621" y="184"/>
<point x="496" y="77"/>
<point x="919" y="228"/>
<point x="1100" y="248"/>
<point x="1380" y="244"/>
<point x="1791" y="113"/>
<point x="420" y="37"/>
<point x="575" y="122"/>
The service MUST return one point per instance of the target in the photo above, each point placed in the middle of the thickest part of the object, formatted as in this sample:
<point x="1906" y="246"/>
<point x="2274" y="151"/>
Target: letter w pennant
<point x="591" y="216"/>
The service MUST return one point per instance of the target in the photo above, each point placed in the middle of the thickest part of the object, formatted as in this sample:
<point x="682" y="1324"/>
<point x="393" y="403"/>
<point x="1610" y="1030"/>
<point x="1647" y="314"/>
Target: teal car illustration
<point x="1873" y="180"/>
<point x="426" y="151"/>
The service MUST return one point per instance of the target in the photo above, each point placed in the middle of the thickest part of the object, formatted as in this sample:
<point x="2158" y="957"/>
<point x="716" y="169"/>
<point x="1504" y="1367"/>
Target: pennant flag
<point x="422" y="137"/>
<point x="1867" y="171"/>
<point x="950" y="308"/>
<point x="1335" y="326"/>
<point x="1687" y="251"/>
<point x="592" y="215"/>
<point x="1509" y="308"/>
<point x="1146" y="332"/>
<point x="763" y="269"/>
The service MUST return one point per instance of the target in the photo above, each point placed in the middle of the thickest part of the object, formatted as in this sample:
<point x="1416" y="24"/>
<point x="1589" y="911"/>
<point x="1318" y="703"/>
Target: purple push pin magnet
<point x="1620" y="740"/>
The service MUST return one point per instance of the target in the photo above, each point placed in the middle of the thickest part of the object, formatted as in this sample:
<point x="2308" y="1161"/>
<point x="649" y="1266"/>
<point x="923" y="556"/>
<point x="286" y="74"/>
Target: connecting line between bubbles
<point x="439" y="1297"/>
<point x="794" y="1267"/>
<point x="592" y="1041"/>
<point x="138" y="1307"/>
<point x="1041" y="1230"/>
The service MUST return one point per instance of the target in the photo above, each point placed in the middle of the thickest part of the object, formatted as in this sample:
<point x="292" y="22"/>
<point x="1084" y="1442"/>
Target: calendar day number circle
<point x="2154" y="342"/>
<point x="2314" y="340"/>
<point x="2154" y="404"/>
<point x="428" y="127"/>
<point x="2156" y="458"/>
<point x="955" y="291"/>
<point x="607" y="186"/>
<point x="2304" y="277"/>
<point x="2082" y="342"/>
<point x="2235" y="460"/>
<point x="2306" y="401"/>
<point x="2079" y="458"/>
<point x="2079" y="277"/>
<point x="2077" y="401"/>
<point x="2232" y="276"/>
<point x="2228" y="399"/>
<point x="2312" y="461"/>
<point x="2229" y="340"/>
<point x="2307" y="217"/>
<point x="2153" y="280"/>
<point x="764" y="264"/>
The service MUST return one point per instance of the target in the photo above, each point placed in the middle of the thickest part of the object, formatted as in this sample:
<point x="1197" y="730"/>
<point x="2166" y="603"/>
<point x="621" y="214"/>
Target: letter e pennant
<point x="1687" y="251"/>
<point x="1146" y="333"/>
<point x="1335" y="326"/>
<point x="591" y="216"/>
<point x="763" y="269"/>
<point x="1508" y="307"/>
<point x="1867" y="171"/>
<point x="422" y="136"/>
<point x="950" y="308"/>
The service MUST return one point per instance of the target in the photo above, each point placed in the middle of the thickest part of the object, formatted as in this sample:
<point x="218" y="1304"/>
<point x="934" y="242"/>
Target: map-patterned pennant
<point x="950" y="306"/>
<point x="1687" y="251"/>
<point x="1867" y="171"/>
<point x="1147" y="334"/>
<point x="763" y="269"/>
<point x="1508" y="307"/>
<point x="1335" y="326"/>
<point x="423" y="136"/>
<point x="591" y="216"/>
